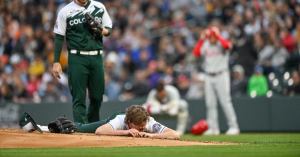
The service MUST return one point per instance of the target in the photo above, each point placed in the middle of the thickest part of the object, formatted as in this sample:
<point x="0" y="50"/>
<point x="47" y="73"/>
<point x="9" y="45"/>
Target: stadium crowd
<point x="153" y="40"/>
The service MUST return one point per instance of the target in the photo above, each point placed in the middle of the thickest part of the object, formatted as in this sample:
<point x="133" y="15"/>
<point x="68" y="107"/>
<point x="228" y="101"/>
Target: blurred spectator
<point x="258" y="84"/>
<point x="20" y="93"/>
<point x="183" y="85"/>
<point x="5" y="93"/>
<point x="265" y="53"/>
<point x="52" y="93"/>
<point x="238" y="81"/>
<point x="52" y="90"/>
<point x="37" y="67"/>
<point x="246" y="54"/>
<point x="153" y="74"/>
<point x="196" y="90"/>
<point x="140" y="86"/>
<point x="288" y="40"/>
<point x="279" y="57"/>
<point x="33" y="85"/>
<point x="112" y="88"/>
<point x="294" y="88"/>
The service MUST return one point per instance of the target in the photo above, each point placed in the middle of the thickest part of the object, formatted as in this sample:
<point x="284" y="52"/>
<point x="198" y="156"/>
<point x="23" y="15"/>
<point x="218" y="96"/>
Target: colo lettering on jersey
<point x="76" y="21"/>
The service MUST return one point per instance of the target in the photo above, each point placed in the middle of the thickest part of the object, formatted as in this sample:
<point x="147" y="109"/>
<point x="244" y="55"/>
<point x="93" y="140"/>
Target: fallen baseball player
<point x="135" y="122"/>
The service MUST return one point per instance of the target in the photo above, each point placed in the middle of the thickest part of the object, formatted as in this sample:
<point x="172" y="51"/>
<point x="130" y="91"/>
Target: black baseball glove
<point x="94" y="25"/>
<point x="62" y="125"/>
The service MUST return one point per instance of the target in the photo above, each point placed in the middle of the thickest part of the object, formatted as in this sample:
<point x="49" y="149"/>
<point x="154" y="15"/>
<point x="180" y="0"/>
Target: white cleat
<point x="233" y="131"/>
<point x="211" y="132"/>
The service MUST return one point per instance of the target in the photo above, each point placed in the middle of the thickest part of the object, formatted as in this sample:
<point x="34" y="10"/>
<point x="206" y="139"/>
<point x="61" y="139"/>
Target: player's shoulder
<point x="120" y="117"/>
<point x="151" y="119"/>
<point x="150" y="122"/>
<point x="67" y="8"/>
<point x="170" y="88"/>
<point x="153" y="126"/>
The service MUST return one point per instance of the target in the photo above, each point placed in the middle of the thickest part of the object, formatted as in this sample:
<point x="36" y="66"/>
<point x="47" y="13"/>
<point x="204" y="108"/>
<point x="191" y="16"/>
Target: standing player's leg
<point x="211" y="107"/>
<point x="223" y="91"/>
<point x="182" y="118"/>
<point x="95" y="87"/>
<point x="78" y="76"/>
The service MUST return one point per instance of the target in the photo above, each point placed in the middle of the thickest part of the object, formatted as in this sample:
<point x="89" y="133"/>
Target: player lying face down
<point x="137" y="123"/>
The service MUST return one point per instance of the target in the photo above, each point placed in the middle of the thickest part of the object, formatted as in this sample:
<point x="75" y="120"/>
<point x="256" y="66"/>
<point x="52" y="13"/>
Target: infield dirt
<point x="17" y="138"/>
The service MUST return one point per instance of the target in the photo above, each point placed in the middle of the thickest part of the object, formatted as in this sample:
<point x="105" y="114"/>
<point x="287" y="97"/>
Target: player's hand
<point x="94" y="25"/>
<point x="56" y="70"/>
<point x="134" y="133"/>
<point x="146" y="135"/>
<point x="205" y="34"/>
<point x="215" y="31"/>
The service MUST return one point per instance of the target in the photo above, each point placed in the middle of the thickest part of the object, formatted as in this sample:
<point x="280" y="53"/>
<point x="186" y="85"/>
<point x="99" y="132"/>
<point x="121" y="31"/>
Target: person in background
<point x="239" y="82"/>
<point x="294" y="89"/>
<point x="165" y="99"/>
<point x="213" y="48"/>
<point x="83" y="23"/>
<point x="258" y="84"/>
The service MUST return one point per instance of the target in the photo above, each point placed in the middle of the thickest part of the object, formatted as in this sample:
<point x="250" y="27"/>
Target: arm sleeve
<point x="60" y="24"/>
<point x="151" y="96"/>
<point x="107" y="23"/>
<point x="152" y="104"/>
<point x="117" y="123"/>
<point x="58" y="44"/>
<point x="198" y="46"/>
<point x="174" y="99"/>
<point x="174" y="93"/>
<point x="226" y="44"/>
<point x="154" y="127"/>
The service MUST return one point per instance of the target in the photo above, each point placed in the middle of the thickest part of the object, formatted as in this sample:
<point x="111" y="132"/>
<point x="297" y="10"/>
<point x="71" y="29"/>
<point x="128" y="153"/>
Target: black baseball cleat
<point x="28" y="124"/>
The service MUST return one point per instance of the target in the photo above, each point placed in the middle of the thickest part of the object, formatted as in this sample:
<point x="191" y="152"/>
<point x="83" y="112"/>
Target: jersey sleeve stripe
<point x="162" y="129"/>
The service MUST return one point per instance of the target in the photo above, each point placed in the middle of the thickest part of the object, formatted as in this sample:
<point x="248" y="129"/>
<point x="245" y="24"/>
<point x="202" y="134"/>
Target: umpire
<point x="83" y="23"/>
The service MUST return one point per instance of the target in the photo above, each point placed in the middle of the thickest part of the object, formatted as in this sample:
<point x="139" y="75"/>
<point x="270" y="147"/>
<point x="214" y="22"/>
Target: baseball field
<point x="16" y="143"/>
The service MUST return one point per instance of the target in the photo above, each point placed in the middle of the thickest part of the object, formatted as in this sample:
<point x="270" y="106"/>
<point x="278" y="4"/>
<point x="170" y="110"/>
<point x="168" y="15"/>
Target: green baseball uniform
<point x="85" y="60"/>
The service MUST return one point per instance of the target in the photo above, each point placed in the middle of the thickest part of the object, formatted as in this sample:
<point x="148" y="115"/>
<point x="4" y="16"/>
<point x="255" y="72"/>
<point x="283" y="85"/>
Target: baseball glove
<point x="94" y="25"/>
<point x="62" y="125"/>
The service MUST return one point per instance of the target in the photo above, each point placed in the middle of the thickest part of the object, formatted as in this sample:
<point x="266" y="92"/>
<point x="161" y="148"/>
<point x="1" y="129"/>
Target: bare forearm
<point x="172" y="135"/>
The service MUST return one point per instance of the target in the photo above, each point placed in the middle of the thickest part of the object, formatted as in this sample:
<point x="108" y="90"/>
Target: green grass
<point x="249" y="145"/>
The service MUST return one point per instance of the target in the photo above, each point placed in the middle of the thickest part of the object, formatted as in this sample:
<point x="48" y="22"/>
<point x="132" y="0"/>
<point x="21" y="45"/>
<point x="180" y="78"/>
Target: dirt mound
<point x="16" y="138"/>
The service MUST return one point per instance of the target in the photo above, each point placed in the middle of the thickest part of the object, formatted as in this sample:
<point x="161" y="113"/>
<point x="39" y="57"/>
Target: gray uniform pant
<point x="218" y="88"/>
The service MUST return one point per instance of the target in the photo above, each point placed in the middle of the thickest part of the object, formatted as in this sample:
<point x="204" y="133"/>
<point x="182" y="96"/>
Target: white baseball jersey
<point x="172" y="95"/>
<point x="118" y="123"/>
<point x="215" y="58"/>
<point x="71" y="23"/>
<point x="68" y="14"/>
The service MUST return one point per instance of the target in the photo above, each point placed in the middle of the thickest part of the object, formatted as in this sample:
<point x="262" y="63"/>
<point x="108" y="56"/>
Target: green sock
<point x="92" y="127"/>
